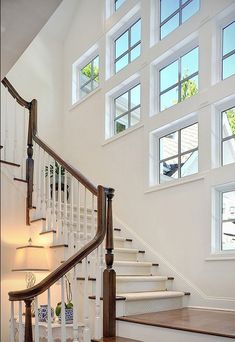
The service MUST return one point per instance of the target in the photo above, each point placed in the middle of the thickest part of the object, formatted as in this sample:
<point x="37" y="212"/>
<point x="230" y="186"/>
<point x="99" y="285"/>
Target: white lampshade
<point x="31" y="258"/>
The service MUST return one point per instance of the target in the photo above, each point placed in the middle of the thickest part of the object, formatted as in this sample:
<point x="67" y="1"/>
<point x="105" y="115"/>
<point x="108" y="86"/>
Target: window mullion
<point x="179" y="80"/>
<point x="179" y="153"/>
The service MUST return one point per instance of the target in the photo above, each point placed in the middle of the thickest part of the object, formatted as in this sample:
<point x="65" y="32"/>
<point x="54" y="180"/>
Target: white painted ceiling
<point x="21" y="21"/>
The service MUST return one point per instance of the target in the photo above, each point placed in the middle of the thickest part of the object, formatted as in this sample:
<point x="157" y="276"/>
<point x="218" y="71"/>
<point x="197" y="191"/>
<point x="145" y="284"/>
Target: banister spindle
<point x="28" y="337"/>
<point x="109" y="276"/>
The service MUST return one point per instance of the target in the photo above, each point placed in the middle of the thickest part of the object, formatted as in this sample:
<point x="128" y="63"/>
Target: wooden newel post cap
<point x="110" y="193"/>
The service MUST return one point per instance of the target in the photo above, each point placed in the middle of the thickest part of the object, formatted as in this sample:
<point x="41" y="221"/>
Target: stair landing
<point x="115" y="339"/>
<point x="203" y="321"/>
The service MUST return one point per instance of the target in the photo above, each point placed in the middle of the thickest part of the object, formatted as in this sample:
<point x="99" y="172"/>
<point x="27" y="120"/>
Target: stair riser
<point x="125" y="256"/>
<point x="133" y="270"/>
<point x="122" y="244"/>
<point x="152" y="305"/>
<point x="141" y="286"/>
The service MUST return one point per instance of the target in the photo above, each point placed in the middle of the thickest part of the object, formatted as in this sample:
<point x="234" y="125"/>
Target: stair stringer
<point x="198" y="298"/>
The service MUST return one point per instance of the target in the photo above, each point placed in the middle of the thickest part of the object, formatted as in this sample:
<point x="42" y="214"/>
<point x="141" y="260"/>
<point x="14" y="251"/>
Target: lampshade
<point x="30" y="258"/>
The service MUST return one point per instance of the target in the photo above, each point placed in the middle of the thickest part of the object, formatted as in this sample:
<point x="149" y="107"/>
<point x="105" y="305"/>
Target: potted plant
<point x="68" y="305"/>
<point x="59" y="170"/>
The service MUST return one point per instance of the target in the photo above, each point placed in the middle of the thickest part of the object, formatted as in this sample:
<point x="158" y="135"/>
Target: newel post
<point x="109" y="276"/>
<point x="32" y="129"/>
<point x="28" y="337"/>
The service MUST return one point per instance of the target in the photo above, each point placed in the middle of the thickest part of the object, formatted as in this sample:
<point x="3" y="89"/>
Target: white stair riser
<point x="122" y="244"/>
<point x="140" y="286"/>
<point x="152" y="305"/>
<point x="148" y="333"/>
<point x="132" y="270"/>
<point x="125" y="256"/>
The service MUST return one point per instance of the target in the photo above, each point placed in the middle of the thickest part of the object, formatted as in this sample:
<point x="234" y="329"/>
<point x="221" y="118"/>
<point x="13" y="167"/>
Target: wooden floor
<point x="212" y="322"/>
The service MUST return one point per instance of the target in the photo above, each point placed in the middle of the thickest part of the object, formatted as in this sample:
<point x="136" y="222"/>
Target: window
<point x="174" y="13"/>
<point x="127" y="46"/>
<point x="228" y="136"/>
<point x="118" y="4"/>
<point x="89" y="77"/>
<point x="127" y="109"/>
<point x="178" y="154"/>
<point x="179" y="80"/>
<point x="228" y="51"/>
<point x="228" y="221"/>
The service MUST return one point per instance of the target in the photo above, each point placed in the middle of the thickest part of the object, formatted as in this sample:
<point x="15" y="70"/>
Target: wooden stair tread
<point x="135" y="296"/>
<point x="20" y="180"/>
<point x="9" y="163"/>
<point x="203" y="321"/>
<point x="116" y="339"/>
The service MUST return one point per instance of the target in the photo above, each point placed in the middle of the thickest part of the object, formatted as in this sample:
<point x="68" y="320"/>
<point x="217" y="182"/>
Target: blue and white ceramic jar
<point x="43" y="313"/>
<point x="68" y="315"/>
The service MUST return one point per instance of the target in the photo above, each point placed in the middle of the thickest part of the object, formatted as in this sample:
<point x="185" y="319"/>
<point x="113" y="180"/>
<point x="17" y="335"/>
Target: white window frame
<point x="154" y="155"/>
<point x="228" y="54"/>
<point x="123" y="25"/>
<point x="77" y="66"/>
<point x="110" y="106"/>
<point x="216" y="231"/>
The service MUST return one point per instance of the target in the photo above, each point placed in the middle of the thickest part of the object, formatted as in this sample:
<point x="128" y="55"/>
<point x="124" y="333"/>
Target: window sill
<point x="122" y="134"/>
<point x="84" y="98"/>
<point x="221" y="257"/>
<point x="188" y="179"/>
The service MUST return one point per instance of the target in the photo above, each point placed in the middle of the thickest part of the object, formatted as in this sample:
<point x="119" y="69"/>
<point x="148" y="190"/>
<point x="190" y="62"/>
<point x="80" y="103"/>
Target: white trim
<point x="83" y="99"/>
<point x="123" y="133"/>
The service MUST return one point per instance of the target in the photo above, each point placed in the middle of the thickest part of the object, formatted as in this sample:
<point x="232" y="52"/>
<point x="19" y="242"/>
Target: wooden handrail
<point x="74" y="172"/>
<point x="54" y="276"/>
<point x="15" y="94"/>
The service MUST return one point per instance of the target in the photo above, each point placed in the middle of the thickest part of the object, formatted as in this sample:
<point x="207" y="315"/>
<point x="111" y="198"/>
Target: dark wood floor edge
<point x="9" y="163"/>
<point x="101" y="298"/>
<point x="126" y="319"/>
<point x="20" y="180"/>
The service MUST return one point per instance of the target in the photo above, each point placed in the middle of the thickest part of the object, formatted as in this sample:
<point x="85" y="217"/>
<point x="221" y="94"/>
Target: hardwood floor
<point x="115" y="339"/>
<point x="212" y="322"/>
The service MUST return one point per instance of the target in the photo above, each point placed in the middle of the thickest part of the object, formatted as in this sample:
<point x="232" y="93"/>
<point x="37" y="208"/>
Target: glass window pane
<point x="229" y="151"/>
<point x="121" y="124"/>
<point x="121" y="44"/>
<point x="95" y="84"/>
<point x="169" y="145"/>
<point x="229" y="66"/>
<point x="118" y="4"/>
<point x="189" y="164"/>
<point x="189" y="63"/>
<point x="135" y="116"/>
<point x="96" y="67"/>
<point x="228" y="122"/>
<point x="86" y="89"/>
<point x="228" y="38"/>
<point x="189" y="88"/>
<point x="121" y="104"/>
<point x="135" y="52"/>
<point x="189" y="138"/>
<point x="170" y="25"/>
<point x="136" y="33"/>
<point x="85" y="74"/>
<point x="135" y="96"/>
<point x="169" y="170"/>
<point x="121" y="63"/>
<point x="169" y="99"/>
<point x="190" y="10"/>
<point x="169" y="76"/>
<point x="228" y="221"/>
<point x="168" y="7"/>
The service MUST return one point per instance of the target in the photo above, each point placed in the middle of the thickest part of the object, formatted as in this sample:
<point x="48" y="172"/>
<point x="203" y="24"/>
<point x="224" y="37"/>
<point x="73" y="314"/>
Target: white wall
<point x="176" y="220"/>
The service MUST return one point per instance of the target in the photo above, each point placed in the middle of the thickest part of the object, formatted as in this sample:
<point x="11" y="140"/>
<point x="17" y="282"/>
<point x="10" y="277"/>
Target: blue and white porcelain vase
<point x="68" y="315"/>
<point x="43" y="313"/>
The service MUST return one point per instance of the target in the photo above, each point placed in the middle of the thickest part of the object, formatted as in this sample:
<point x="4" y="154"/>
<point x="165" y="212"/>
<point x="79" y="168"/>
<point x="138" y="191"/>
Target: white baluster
<point x="85" y="217"/>
<point x="6" y="142"/>
<point x="39" y="190"/>
<point x="44" y="198"/>
<point x="49" y="326"/>
<point x="71" y="247"/>
<point x="59" y="209"/>
<point x="12" y="323"/>
<point x="78" y="242"/>
<point x="35" y="178"/>
<point x="36" y="331"/>
<point x="21" y="330"/>
<point x="53" y="196"/>
<point x="15" y="148"/>
<point x="99" y="271"/>
<point x="48" y="185"/>
<point x="63" y="327"/>
<point x="87" y="337"/>
<point x="65" y="225"/>
<point x="75" y="307"/>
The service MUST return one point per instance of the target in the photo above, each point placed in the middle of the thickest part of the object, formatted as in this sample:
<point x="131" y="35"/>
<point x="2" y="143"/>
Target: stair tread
<point x="116" y="339"/>
<point x="151" y="295"/>
<point x="141" y="278"/>
<point x="125" y="250"/>
<point x="9" y="163"/>
<point x="203" y="321"/>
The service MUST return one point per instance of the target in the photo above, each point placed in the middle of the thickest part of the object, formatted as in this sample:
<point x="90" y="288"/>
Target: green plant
<point x="69" y="304"/>
<point x="58" y="169"/>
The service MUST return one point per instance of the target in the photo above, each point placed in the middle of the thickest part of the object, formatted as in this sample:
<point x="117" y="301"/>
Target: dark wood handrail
<point x="74" y="172"/>
<point x="15" y="94"/>
<point x="54" y="276"/>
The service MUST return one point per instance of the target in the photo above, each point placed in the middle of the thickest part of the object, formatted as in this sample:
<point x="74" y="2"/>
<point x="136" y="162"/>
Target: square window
<point x="118" y="4"/>
<point x="174" y="13"/>
<point x="178" y="155"/>
<point x="89" y="77"/>
<point x="127" y="46"/>
<point x="126" y="109"/>
<point x="179" y="80"/>
<point x="228" y="51"/>
<point x="228" y="136"/>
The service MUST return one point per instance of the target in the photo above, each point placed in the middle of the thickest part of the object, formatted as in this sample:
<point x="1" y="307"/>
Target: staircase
<point x="114" y="286"/>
